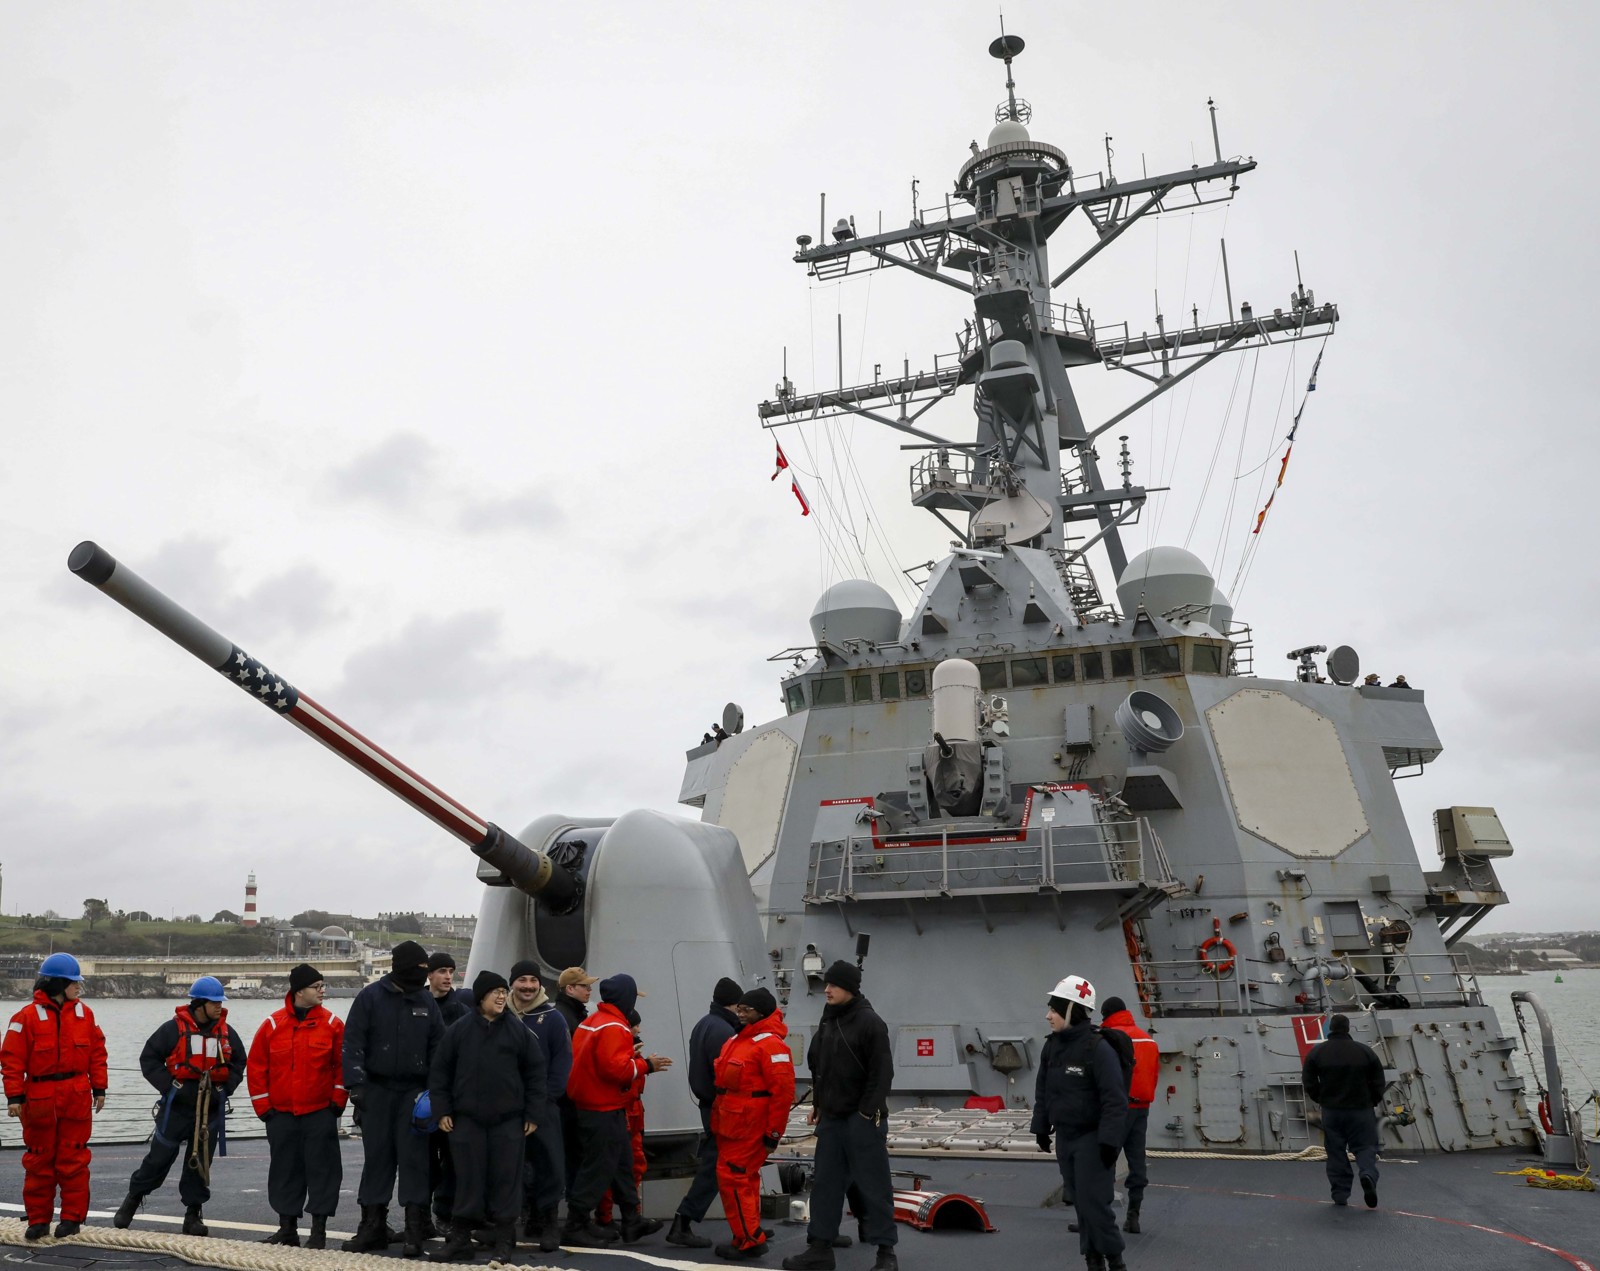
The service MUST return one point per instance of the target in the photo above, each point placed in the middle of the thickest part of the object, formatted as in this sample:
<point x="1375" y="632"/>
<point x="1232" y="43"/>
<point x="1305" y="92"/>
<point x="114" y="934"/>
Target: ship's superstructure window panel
<point x="1122" y="664"/>
<point x="1027" y="672"/>
<point x="1206" y="659"/>
<point x="861" y="686"/>
<point x="829" y="691"/>
<point x="991" y="675"/>
<point x="1093" y="667"/>
<point x="796" y="697"/>
<point x="1064" y="667"/>
<point x="1347" y="930"/>
<point x="1161" y="659"/>
<point x="917" y="681"/>
<point x="889" y="686"/>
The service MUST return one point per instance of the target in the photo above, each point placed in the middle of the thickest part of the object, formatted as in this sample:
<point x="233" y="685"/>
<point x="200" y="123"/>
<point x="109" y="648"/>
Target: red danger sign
<point x="924" y="1048"/>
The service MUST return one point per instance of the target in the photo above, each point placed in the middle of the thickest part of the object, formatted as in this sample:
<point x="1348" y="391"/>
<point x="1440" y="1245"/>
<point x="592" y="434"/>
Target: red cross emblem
<point x="1083" y="989"/>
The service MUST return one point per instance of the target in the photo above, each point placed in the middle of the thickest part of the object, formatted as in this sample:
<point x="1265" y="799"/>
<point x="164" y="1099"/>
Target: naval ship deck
<point x="1451" y="1210"/>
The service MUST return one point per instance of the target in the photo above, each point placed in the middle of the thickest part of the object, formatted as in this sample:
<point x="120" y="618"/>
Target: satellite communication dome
<point x="1221" y="612"/>
<point x="1164" y="579"/>
<point x="1007" y="130"/>
<point x="856" y="610"/>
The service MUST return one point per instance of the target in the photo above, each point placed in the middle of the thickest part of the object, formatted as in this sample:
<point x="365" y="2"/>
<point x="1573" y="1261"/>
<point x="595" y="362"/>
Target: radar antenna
<point x="1006" y="48"/>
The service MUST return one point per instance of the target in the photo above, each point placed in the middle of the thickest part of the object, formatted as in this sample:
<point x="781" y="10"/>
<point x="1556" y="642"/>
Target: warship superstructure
<point x="1024" y="777"/>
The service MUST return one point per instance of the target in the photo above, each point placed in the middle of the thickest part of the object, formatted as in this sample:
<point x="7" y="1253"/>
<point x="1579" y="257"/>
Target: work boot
<point x="429" y="1230"/>
<point x="549" y="1232"/>
<point x="66" y="1227"/>
<point x="194" y="1222"/>
<point x="288" y="1232"/>
<point x="817" y="1257"/>
<point x="1114" y="1262"/>
<point x="373" y="1233"/>
<point x="735" y="1253"/>
<point x="124" y="1216"/>
<point x="457" y="1246"/>
<point x="886" y="1259"/>
<point x="1095" y="1261"/>
<point x="36" y="1231"/>
<point x="1369" y="1190"/>
<point x="1132" y="1223"/>
<point x="504" y="1247"/>
<point x="582" y="1231"/>
<point x="842" y="1241"/>
<point x="682" y="1234"/>
<point x="635" y="1227"/>
<point x="318" y="1239"/>
<point x="416" y="1215"/>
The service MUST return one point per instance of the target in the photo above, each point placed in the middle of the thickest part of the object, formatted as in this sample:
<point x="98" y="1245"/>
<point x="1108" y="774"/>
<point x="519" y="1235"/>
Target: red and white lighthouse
<point x="249" y="919"/>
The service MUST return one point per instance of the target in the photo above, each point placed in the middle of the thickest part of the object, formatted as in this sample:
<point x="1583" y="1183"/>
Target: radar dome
<point x="856" y="610"/>
<point x="1164" y="579"/>
<point x="1007" y="130"/>
<point x="1221" y="612"/>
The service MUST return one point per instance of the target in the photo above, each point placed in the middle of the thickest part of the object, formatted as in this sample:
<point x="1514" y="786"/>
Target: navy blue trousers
<point x="852" y="1155"/>
<point x="1092" y="1186"/>
<point x="1348" y="1132"/>
<point x="697" y="1200"/>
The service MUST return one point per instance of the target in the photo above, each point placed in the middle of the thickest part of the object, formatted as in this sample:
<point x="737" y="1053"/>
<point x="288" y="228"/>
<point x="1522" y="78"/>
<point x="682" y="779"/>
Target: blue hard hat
<point x="60" y="966"/>
<point x="207" y="989"/>
<point x="422" y="1119"/>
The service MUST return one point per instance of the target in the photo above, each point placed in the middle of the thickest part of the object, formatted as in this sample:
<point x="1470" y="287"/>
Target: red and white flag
<point x="783" y="463"/>
<point x="805" y="508"/>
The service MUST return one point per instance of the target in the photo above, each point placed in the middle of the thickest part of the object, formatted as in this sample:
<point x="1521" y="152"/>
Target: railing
<point x="1188" y="986"/>
<point x="1121" y="856"/>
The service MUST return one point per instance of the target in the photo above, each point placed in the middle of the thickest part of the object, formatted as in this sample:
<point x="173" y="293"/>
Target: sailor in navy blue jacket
<point x="544" y="1176"/>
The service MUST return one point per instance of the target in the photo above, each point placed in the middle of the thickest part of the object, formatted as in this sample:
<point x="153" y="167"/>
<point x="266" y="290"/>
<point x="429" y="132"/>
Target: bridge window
<point x="1064" y="667"/>
<point x="1161" y="659"/>
<point x="1122" y="664"/>
<point x="1093" y="667"/>
<point x="1026" y="672"/>
<point x="917" y="682"/>
<point x="889" y="686"/>
<point x="991" y="675"/>
<point x="1207" y="659"/>
<point x="796" y="697"/>
<point x="829" y="691"/>
<point x="861" y="687"/>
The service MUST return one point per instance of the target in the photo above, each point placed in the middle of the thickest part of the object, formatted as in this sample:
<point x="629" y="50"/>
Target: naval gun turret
<point x="662" y="898"/>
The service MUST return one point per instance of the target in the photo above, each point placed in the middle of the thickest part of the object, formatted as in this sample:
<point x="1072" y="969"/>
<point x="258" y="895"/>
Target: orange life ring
<point x="1226" y="964"/>
<point x="1544" y="1116"/>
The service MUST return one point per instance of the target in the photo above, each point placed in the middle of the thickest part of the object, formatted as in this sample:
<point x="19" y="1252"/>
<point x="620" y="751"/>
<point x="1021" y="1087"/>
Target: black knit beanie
<point x="844" y="976"/>
<point x="526" y="967"/>
<point x="727" y="993"/>
<point x="760" y="1001"/>
<point x="407" y="954"/>
<point x="1338" y="1024"/>
<point x="303" y="977"/>
<point x="486" y="983"/>
<point x="440" y="959"/>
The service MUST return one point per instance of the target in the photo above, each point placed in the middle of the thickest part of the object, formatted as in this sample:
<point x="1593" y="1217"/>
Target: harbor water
<point x="1574" y="1006"/>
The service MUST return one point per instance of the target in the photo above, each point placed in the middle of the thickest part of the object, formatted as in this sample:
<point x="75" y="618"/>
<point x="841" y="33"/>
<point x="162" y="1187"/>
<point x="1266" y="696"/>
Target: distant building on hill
<point x="1551" y="957"/>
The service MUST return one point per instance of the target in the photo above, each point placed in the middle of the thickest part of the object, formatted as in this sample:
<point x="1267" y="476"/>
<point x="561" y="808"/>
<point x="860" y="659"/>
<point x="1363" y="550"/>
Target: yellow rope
<point x="1550" y="1179"/>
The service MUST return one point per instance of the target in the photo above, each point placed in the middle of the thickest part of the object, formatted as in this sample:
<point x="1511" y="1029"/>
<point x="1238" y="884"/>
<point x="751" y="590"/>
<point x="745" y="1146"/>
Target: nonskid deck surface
<point x="1244" y="1215"/>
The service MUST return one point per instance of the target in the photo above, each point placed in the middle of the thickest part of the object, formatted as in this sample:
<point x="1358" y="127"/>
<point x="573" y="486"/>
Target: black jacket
<point x="162" y="1042"/>
<point x="710" y="1035"/>
<point x="574" y="1011"/>
<point x="453" y="1005"/>
<point x="851" y="1065"/>
<point x="1080" y="1088"/>
<point x="1343" y="1073"/>
<point x="488" y="1071"/>
<point x="390" y="1036"/>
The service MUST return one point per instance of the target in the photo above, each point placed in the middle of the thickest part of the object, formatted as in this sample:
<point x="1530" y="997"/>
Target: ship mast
<point x="1032" y="469"/>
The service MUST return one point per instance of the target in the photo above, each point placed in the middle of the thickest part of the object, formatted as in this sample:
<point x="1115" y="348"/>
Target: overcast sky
<point x="416" y="348"/>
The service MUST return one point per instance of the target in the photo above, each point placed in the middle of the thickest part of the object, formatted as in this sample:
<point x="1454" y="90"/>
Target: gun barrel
<point x="532" y="872"/>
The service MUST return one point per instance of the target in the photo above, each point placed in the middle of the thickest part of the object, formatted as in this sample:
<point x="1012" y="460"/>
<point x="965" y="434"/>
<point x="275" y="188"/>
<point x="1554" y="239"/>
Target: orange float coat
<point x="296" y="1065"/>
<point x="54" y="1060"/>
<point x="755" y="1089"/>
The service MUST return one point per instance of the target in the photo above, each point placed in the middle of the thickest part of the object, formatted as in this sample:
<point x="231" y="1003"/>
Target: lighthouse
<point x="249" y="919"/>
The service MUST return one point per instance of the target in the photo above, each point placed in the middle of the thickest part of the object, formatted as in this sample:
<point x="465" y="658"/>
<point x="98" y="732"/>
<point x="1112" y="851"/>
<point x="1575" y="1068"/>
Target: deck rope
<point x="1550" y="1179"/>
<point x="210" y="1251"/>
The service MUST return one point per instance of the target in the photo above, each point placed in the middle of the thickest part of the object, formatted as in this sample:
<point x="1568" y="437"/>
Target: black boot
<point x="1096" y="1261"/>
<point x="288" y="1232"/>
<point x="635" y="1227"/>
<point x="36" y="1231"/>
<point x="457" y="1246"/>
<point x="504" y="1248"/>
<point x="1132" y="1223"/>
<point x="318" y="1239"/>
<point x="582" y="1231"/>
<point x="549" y="1232"/>
<point x="373" y="1233"/>
<point x="66" y="1227"/>
<point x="886" y="1259"/>
<point x="416" y="1216"/>
<point x="1114" y="1262"/>
<point x="125" y="1211"/>
<point x="733" y="1253"/>
<point x="817" y="1257"/>
<point x="429" y="1230"/>
<point x="682" y="1234"/>
<point x="194" y="1222"/>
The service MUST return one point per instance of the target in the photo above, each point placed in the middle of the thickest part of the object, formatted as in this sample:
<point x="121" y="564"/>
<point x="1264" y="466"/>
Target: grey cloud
<point x="395" y="474"/>
<point x="530" y="510"/>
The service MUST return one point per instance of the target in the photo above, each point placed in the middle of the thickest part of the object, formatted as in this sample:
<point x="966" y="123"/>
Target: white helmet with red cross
<point x="1075" y="989"/>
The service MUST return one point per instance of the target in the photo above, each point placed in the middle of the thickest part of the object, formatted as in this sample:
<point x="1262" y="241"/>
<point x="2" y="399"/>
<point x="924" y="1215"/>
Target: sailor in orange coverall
<point x="54" y="1060"/>
<point x="635" y="1110"/>
<point x="755" y="1089"/>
